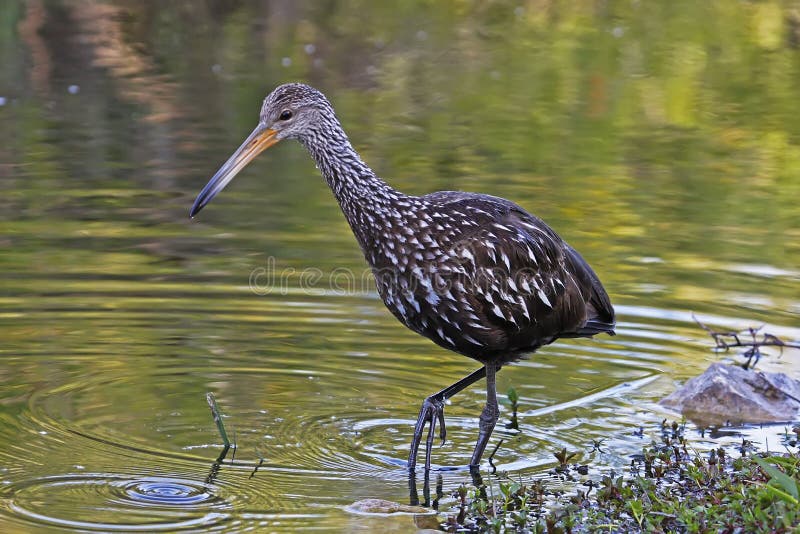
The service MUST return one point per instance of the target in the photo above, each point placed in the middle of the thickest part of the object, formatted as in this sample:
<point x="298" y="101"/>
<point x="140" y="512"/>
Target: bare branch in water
<point x="727" y="340"/>
<point x="215" y="413"/>
<point x="255" y="469"/>
<point x="491" y="456"/>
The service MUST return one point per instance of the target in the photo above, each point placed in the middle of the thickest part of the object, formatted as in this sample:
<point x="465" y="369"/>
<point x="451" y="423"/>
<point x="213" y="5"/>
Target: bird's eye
<point x="285" y="115"/>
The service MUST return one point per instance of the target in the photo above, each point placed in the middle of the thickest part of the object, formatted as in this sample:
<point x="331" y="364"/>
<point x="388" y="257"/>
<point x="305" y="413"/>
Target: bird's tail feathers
<point x="595" y="326"/>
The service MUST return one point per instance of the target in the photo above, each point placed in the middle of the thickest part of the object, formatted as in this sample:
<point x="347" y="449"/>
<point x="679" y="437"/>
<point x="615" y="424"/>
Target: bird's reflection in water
<point x="426" y="490"/>
<point x="477" y="481"/>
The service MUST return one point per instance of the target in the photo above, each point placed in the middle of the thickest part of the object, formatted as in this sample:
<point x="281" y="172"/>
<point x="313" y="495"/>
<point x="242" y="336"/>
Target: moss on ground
<point x="670" y="488"/>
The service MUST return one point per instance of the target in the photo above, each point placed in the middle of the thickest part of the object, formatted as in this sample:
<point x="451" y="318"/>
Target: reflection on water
<point x="148" y="505"/>
<point x="664" y="145"/>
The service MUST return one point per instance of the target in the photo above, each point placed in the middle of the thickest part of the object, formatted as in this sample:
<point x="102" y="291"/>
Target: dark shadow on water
<point x="426" y="490"/>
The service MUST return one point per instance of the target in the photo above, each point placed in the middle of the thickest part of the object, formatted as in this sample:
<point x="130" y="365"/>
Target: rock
<point x="726" y="393"/>
<point x="380" y="506"/>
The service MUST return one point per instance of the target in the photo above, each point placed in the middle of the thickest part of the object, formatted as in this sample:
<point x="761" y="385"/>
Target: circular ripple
<point x="103" y="502"/>
<point x="166" y="492"/>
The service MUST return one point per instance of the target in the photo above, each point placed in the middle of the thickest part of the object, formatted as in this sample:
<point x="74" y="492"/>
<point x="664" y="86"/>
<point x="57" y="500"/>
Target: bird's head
<point x="294" y="111"/>
<point x="290" y="111"/>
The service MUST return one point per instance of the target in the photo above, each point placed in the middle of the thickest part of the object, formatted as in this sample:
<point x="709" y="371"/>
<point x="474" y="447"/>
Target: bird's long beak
<point x="257" y="142"/>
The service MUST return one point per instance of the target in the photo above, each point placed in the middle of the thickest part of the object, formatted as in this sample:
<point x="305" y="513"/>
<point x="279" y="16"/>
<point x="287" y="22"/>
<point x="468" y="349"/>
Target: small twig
<point x="260" y="461"/>
<point x="727" y="340"/>
<point x="215" y="413"/>
<point x="259" y="464"/>
<point x="491" y="456"/>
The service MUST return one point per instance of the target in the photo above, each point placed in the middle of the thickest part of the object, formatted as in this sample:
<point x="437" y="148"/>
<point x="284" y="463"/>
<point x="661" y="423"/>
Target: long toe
<point x="431" y="414"/>
<point x="435" y="411"/>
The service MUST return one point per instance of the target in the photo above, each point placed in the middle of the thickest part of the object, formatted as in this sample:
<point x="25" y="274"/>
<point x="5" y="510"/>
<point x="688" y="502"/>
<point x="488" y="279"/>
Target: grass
<point x="670" y="488"/>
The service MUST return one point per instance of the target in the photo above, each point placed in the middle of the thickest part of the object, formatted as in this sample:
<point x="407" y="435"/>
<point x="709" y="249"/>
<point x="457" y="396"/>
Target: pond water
<point x="660" y="140"/>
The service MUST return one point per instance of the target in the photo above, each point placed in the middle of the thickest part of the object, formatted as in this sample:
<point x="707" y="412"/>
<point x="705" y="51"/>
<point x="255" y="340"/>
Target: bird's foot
<point x="432" y="412"/>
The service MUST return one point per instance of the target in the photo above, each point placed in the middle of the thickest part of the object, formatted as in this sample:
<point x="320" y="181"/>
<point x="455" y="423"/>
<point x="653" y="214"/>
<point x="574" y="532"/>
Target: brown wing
<point x="507" y="284"/>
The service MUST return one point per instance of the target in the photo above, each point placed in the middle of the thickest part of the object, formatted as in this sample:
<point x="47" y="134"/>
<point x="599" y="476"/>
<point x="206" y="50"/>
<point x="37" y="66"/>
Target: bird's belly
<point x="453" y="309"/>
<point x="444" y="321"/>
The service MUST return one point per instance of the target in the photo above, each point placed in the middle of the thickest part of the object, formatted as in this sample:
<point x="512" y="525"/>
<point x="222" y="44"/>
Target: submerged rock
<point x="726" y="393"/>
<point x="380" y="506"/>
<point x="379" y="515"/>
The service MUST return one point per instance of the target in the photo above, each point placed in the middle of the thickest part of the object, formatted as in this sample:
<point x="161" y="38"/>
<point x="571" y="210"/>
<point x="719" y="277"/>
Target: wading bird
<point x="475" y="274"/>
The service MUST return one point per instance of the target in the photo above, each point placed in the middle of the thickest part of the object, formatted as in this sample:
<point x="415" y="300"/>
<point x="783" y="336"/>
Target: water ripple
<point x="117" y="502"/>
<point x="165" y="492"/>
<point x="320" y="413"/>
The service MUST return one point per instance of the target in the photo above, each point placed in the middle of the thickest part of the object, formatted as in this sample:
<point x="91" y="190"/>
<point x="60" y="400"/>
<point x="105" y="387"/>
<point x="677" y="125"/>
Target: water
<point x="663" y="143"/>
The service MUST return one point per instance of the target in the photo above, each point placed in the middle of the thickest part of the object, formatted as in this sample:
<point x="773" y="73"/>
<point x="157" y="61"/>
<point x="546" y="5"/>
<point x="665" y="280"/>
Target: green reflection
<point x="662" y="139"/>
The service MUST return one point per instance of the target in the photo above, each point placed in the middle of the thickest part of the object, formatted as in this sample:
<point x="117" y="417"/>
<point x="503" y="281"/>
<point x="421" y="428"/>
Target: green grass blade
<point x="780" y="478"/>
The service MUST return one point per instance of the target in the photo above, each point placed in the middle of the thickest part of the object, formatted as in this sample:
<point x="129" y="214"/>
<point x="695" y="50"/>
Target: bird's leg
<point x="432" y="412"/>
<point x="489" y="416"/>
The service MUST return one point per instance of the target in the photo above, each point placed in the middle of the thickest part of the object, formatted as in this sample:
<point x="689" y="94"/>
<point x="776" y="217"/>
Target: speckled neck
<point x="365" y="199"/>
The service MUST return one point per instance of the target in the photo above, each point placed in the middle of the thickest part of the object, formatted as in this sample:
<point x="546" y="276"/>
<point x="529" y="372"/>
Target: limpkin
<point x="476" y="274"/>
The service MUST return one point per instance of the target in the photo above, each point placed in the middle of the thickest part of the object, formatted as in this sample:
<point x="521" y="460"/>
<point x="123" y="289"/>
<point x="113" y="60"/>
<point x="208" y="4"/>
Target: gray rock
<point x="728" y="393"/>
<point x="383" y="507"/>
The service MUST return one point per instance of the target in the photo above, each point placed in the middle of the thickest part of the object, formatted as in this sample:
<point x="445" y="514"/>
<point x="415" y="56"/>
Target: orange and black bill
<point x="261" y="139"/>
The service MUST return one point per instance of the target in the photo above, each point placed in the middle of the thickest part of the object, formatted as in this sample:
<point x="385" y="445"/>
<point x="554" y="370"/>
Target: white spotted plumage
<point x="507" y="280"/>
